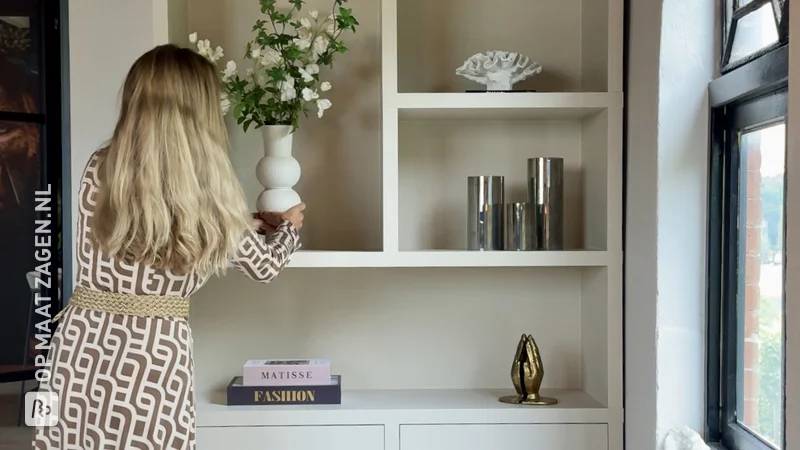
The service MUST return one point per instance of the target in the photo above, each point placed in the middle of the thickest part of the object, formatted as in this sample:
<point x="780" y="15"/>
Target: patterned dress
<point x="126" y="382"/>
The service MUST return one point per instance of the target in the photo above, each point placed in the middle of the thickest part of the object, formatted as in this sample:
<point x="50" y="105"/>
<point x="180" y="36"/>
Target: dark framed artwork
<point x="30" y="166"/>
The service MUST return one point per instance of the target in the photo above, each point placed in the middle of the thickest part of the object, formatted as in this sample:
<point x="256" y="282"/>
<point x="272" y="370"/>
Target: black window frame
<point x="754" y="92"/>
<point x="49" y="118"/>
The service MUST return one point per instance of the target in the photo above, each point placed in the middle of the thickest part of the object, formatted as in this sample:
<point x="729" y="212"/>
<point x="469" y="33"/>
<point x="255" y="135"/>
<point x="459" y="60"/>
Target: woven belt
<point x="163" y="306"/>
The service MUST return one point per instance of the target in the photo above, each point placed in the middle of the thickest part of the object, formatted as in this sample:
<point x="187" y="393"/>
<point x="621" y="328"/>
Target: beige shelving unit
<point x="422" y="330"/>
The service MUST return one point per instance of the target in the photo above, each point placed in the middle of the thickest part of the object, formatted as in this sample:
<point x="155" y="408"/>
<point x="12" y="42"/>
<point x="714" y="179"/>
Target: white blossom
<point x="306" y="76"/>
<point x="204" y="48"/>
<point x="218" y="53"/>
<point x="270" y="58"/>
<point x="313" y="69"/>
<point x="313" y="33"/>
<point x="301" y="43"/>
<point x="287" y="89"/>
<point x="288" y="94"/>
<point x="309" y="95"/>
<point x="322" y="105"/>
<point x="330" y="26"/>
<point x="225" y="103"/>
<point x="304" y="37"/>
<point x="230" y="70"/>
<point x="319" y="46"/>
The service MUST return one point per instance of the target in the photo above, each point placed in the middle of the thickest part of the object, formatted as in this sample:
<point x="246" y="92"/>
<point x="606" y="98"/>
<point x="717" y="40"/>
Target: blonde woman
<point x="160" y="212"/>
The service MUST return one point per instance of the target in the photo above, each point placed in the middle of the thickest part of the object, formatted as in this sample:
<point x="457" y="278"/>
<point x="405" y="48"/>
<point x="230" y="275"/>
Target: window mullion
<point x="783" y="21"/>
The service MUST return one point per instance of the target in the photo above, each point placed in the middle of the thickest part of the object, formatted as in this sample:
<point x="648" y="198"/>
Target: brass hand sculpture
<point x="527" y="373"/>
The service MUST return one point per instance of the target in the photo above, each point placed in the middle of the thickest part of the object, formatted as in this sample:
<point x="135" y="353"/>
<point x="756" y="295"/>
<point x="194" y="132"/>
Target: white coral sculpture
<point x="498" y="70"/>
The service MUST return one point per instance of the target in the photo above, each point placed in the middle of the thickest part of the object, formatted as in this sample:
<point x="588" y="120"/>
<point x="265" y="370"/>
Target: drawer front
<point x="291" y="438"/>
<point x="504" y="437"/>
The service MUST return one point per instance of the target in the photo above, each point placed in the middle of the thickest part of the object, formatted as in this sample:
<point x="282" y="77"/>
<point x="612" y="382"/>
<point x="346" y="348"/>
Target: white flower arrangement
<point x="283" y="80"/>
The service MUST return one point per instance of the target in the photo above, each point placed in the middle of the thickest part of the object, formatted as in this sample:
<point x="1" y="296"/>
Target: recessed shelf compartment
<point x="434" y="406"/>
<point x="494" y="106"/>
<point x="436" y="157"/>
<point x="569" y="38"/>
<point x="468" y="321"/>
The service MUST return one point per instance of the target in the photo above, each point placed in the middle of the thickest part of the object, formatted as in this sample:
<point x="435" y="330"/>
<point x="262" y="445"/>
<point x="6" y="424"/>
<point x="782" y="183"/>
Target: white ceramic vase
<point x="277" y="171"/>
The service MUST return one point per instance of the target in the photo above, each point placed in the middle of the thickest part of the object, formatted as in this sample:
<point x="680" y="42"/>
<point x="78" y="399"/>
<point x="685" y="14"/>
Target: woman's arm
<point x="262" y="259"/>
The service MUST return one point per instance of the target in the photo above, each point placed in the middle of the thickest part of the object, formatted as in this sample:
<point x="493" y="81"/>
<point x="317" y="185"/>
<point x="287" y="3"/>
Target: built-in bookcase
<point x="423" y="331"/>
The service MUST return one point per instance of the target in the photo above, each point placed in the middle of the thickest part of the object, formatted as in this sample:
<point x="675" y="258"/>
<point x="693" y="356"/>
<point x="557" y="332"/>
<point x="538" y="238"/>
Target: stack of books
<point x="286" y="382"/>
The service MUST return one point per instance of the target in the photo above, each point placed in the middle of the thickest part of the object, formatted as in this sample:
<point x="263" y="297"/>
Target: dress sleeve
<point x="262" y="259"/>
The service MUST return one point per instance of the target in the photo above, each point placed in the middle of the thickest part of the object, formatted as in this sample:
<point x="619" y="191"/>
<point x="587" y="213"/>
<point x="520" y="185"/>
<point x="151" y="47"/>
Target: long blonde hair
<point x="169" y="196"/>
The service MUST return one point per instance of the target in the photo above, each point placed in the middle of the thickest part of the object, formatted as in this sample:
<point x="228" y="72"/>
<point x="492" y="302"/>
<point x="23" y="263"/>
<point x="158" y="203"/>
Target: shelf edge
<point x="533" y="100"/>
<point x="454" y="258"/>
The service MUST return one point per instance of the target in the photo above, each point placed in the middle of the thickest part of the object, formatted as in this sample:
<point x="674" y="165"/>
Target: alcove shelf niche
<point x="437" y="156"/>
<point x="575" y="41"/>
<point x="416" y="346"/>
<point x="432" y="142"/>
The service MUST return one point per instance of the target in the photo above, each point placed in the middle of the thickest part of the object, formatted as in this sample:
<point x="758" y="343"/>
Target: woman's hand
<point x="295" y="215"/>
<point x="272" y="219"/>
<point x="259" y="224"/>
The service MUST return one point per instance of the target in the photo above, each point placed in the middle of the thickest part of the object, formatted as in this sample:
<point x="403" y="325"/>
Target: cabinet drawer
<point x="291" y="438"/>
<point x="504" y="437"/>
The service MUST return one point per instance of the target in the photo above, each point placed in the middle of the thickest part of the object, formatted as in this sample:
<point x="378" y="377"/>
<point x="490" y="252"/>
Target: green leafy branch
<point x="284" y="80"/>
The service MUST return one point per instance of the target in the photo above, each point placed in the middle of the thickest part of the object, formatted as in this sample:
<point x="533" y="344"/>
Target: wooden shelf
<point x="512" y="105"/>
<point x="451" y="258"/>
<point x="407" y="406"/>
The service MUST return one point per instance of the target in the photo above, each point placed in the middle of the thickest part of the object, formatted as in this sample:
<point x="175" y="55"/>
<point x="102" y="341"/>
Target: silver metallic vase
<point x="546" y="196"/>
<point x="519" y="227"/>
<point x="485" y="212"/>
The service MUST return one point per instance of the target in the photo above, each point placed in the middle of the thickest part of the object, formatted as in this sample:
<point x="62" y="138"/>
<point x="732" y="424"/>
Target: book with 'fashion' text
<point x="326" y="394"/>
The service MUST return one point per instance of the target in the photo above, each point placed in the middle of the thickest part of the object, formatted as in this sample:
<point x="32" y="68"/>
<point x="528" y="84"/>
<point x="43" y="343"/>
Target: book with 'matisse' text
<point x="286" y="372"/>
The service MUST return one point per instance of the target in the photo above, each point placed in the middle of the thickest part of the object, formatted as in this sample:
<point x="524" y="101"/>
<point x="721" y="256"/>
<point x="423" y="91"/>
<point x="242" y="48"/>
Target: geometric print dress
<point x="126" y="382"/>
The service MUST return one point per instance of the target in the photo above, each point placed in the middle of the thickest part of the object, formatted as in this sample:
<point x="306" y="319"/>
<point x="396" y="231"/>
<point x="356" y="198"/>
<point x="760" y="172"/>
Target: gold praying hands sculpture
<point x="527" y="373"/>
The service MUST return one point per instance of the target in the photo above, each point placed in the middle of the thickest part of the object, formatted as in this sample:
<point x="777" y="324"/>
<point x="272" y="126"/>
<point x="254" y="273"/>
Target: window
<point x="746" y="230"/>
<point x="752" y="28"/>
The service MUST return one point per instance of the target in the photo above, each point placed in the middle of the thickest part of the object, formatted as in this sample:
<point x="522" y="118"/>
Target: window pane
<point x="760" y="365"/>
<point x="754" y="32"/>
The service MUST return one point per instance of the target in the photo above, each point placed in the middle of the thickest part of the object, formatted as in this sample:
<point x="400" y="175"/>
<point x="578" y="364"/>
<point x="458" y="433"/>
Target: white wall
<point x="105" y="37"/>
<point x="667" y="161"/>
<point x="686" y="67"/>
<point x="671" y="62"/>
